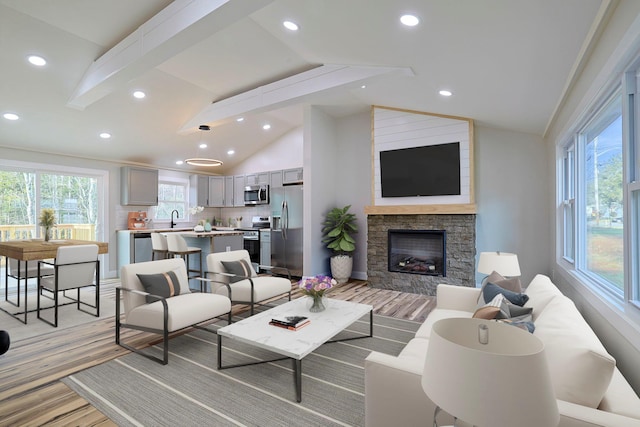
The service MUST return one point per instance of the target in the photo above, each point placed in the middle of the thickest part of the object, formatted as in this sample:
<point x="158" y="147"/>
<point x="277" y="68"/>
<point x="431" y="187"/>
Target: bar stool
<point x="178" y="246"/>
<point x="159" y="246"/>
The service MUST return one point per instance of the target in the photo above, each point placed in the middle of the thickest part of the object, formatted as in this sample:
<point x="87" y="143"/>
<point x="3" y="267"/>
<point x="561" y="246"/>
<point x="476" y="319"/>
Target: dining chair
<point x="74" y="267"/>
<point x="231" y="274"/>
<point x="177" y="245"/>
<point x="159" y="246"/>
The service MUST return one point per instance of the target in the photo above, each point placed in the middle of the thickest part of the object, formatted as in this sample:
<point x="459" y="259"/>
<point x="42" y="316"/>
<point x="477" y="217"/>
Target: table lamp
<point x="489" y="374"/>
<point x="503" y="263"/>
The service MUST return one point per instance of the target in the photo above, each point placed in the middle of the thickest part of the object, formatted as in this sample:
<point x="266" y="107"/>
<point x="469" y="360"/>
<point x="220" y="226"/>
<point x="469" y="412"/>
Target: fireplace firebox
<point x="417" y="252"/>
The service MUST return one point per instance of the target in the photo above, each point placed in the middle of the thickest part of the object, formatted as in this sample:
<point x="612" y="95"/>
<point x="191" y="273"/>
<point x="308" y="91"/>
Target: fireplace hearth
<point x="417" y="252"/>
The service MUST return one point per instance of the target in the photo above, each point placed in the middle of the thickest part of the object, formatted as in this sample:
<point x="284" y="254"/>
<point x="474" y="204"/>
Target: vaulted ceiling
<point x="508" y="63"/>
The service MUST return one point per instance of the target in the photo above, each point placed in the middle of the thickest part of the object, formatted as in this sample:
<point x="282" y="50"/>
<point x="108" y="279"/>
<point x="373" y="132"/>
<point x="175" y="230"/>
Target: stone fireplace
<point x="430" y="249"/>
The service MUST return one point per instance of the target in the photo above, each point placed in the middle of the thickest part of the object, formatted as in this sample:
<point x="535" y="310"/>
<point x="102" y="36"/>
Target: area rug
<point x="133" y="390"/>
<point x="68" y="315"/>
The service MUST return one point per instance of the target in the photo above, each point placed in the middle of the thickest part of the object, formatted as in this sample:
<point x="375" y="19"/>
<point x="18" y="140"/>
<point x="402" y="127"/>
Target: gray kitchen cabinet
<point x="199" y="190"/>
<point x="216" y="191"/>
<point x="292" y="176"/>
<point x="138" y="186"/>
<point x="238" y="190"/>
<point x="228" y="191"/>
<point x="257" y="178"/>
<point x="275" y="179"/>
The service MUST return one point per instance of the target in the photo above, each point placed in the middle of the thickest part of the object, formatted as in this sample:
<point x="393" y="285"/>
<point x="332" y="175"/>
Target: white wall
<point x="511" y="179"/>
<point x="283" y="153"/>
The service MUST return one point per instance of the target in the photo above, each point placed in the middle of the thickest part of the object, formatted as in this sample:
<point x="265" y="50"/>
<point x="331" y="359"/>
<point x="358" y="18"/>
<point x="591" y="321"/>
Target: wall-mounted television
<point x="430" y="170"/>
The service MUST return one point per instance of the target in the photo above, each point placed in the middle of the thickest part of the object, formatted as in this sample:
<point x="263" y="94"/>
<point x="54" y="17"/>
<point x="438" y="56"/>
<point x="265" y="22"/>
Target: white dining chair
<point x="74" y="267"/>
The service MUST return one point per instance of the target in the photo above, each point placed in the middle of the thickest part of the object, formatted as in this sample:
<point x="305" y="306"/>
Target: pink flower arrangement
<point x="316" y="286"/>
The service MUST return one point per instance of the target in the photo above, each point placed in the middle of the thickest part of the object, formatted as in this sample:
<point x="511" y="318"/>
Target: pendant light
<point x="203" y="161"/>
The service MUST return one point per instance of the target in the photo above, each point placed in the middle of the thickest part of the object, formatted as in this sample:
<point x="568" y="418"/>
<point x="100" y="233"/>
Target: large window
<point x="172" y="196"/>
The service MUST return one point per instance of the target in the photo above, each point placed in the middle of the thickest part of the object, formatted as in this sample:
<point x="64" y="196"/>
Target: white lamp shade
<point x="503" y="383"/>
<point x="503" y="263"/>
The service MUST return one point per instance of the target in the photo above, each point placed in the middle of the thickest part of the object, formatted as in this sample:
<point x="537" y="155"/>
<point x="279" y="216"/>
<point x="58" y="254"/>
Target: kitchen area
<point x="260" y="212"/>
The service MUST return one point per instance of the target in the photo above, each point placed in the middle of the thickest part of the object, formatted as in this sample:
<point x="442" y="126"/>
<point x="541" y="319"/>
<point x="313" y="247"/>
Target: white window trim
<point x="176" y="181"/>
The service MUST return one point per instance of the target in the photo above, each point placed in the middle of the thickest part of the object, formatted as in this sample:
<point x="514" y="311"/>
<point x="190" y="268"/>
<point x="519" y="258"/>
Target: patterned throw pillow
<point x="511" y="284"/>
<point x="164" y="285"/>
<point x="497" y="308"/>
<point x="239" y="268"/>
<point x="490" y="290"/>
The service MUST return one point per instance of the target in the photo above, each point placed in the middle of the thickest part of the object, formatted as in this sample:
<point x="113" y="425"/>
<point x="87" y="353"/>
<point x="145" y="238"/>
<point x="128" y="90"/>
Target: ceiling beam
<point x="174" y="29"/>
<point x="288" y="91"/>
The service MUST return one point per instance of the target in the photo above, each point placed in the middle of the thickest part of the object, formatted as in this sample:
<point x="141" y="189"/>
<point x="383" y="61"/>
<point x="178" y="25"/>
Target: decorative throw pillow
<point x="495" y="309"/>
<point x="239" y="268"/>
<point x="490" y="290"/>
<point x="512" y="284"/>
<point x="162" y="284"/>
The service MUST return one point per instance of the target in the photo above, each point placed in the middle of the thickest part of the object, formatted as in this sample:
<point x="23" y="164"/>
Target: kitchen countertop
<point x="211" y="233"/>
<point x="158" y="230"/>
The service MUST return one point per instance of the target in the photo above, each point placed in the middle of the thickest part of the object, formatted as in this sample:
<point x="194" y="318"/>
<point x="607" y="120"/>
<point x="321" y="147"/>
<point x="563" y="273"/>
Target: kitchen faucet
<point x="177" y="216"/>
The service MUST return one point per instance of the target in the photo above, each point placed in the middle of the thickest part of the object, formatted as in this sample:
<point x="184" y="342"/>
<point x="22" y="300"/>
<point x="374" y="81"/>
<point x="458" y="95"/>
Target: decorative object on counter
<point x="336" y="230"/>
<point x="207" y="225"/>
<point x="315" y="287"/>
<point x="200" y="227"/>
<point x="239" y="222"/>
<point x="48" y="221"/>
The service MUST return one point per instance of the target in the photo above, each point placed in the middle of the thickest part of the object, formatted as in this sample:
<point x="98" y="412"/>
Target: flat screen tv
<point x="431" y="170"/>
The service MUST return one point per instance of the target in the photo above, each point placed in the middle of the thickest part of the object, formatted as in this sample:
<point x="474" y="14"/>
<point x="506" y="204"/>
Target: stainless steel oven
<point x="251" y="238"/>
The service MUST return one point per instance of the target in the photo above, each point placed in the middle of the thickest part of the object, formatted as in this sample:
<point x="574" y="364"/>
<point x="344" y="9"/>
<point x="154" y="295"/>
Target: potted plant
<point x="337" y="228"/>
<point x="48" y="221"/>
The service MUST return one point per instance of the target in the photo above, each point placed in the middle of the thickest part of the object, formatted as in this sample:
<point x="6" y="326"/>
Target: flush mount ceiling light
<point x="409" y="20"/>
<point x="36" y="60"/>
<point x="266" y="127"/>
<point x="139" y="94"/>
<point x="11" y="116"/>
<point x="289" y="25"/>
<point x="240" y="119"/>
<point x="105" y="135"/>
<point x="203" y="161"/>
<point x="231" y="152"/>
<point x="445" y="93"/>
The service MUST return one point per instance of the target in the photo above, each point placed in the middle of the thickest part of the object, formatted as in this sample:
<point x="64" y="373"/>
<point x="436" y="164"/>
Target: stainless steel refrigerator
<point x="286" y="228"/>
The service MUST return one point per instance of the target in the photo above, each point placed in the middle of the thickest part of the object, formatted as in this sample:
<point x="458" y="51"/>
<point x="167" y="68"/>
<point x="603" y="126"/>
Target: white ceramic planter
<point x="341" y="267"/>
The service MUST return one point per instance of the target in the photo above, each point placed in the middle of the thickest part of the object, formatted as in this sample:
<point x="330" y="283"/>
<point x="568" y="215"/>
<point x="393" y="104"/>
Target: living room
<point x="514" y="173"/>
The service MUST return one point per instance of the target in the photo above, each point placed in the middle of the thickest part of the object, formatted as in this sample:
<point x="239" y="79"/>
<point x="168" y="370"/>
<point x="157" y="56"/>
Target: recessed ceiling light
<point x="240" y="119"/>
<point x="445" y="93"/>
<point x="105" y="135"/>
<point x="139" y="94"/>
<point x="289" y="25"/>
<point x="231" y="152"/>
<point x="409" y="20"/>
<point x="363" y="86"/>
<point x="203" y="145"/>
<point x="179" y="162"/>
<point x="36" y="60"/>
<point x="266" y="127"/>
<point x="11" y="116"/>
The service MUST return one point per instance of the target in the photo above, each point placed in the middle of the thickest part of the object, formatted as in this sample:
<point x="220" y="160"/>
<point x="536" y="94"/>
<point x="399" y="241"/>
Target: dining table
<point x="34" y="250"/>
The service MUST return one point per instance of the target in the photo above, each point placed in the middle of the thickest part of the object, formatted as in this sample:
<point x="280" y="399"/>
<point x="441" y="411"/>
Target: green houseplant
<point x="337" y="229"/>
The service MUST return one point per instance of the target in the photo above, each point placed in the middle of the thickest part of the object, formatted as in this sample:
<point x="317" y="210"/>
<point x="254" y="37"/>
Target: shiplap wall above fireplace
<point x="396" y="129"/>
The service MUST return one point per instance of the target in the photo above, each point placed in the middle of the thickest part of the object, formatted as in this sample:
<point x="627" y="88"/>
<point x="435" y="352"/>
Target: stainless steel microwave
<point x="256" y="194"/>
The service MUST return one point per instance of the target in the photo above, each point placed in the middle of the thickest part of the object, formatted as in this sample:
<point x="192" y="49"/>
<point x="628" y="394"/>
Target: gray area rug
<point x="135" y="391"/>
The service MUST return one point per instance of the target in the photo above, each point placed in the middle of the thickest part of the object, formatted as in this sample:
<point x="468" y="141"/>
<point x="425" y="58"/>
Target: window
<point x="568" y="203"/>
<point x="172" y="196"/>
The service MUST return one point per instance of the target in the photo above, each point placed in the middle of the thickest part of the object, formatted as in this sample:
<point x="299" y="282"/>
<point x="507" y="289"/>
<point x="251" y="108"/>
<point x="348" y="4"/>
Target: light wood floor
<point x="31" y="393"/>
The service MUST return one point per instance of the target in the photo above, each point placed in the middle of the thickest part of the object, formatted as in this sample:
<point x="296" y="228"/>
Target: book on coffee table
<point x="290" y="321"/>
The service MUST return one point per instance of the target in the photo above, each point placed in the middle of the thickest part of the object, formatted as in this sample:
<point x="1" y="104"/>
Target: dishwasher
<point x="141" y="247"/>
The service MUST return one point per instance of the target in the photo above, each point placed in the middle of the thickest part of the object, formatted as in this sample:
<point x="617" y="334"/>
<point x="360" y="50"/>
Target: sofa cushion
<point x="580" y="367"/>
<point x="620" y="398"/>
<point x="161" y="284"/>
<point x="490" y="290"/>
<point x="239" y="268"/>
<point x="540" y="292"/>
<point x="512" y="284"/>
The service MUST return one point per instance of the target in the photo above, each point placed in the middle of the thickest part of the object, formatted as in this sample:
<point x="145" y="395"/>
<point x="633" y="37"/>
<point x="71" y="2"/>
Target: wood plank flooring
<point x="31" y="393"/>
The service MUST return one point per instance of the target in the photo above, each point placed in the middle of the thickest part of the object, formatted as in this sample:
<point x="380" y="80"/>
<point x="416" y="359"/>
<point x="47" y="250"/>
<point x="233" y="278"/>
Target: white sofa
<point x="590" y="390"/>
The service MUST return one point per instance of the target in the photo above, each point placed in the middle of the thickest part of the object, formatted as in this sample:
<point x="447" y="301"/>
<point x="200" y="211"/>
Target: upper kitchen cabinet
<point x="216" y="191"/>
<point x="257" y="179"/>
<point x="199" y="190"/>
<point x="292" y="176"/>
<point x="238" y="190"/>
<point x="228" y="191"/>
<point x="138" y="186"/>
<point x="276" y="179"/>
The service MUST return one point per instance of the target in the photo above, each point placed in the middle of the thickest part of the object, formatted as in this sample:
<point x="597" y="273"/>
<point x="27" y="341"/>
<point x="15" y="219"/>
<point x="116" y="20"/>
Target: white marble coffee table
<point x="295" y="345"/>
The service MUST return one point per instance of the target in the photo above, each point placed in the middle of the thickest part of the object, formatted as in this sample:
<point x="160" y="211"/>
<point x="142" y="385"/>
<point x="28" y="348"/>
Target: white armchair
<point x="154" y="302"/>
<point x="231" y="274"/>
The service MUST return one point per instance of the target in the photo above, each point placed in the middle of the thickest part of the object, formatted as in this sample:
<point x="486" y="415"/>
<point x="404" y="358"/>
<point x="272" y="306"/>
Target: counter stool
<point x="177" y="245"/>
<point x="159" y="246"/>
